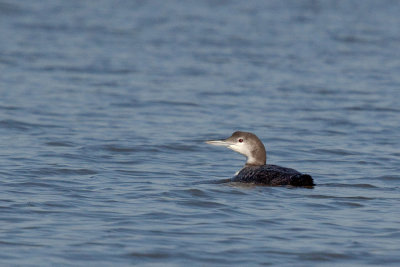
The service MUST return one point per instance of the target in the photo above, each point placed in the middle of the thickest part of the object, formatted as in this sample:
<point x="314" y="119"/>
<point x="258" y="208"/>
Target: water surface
<point x="104" y="109"/>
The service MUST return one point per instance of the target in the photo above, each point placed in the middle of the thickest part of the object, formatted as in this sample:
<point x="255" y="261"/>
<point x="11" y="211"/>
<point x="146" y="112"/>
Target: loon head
<point x="246" y="144"/>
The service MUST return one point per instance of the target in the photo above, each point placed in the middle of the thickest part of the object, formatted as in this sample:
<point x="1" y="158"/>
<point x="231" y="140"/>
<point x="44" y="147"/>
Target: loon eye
<point x="240" y="140"/>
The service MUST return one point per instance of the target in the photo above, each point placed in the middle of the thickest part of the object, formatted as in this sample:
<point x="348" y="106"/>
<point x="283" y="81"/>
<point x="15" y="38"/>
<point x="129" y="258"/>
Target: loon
<point x="256" y="170"/>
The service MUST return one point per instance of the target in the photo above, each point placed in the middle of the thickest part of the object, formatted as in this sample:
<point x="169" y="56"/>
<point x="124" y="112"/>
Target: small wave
<point x="337" y="197"/>
<point x="350" y="185"/>
<point x="150" y="255"/>
<point x="336" y="151"/>
<point x="388" y="178"/>
<point x="351" y="204"/>
<point x="192" y="71"/>
<point x="175" y="103"/>
<point x="86" y="69"/>
<point x="178" y="147"/>
<point x="372" y="108"/>
<point x="20" y="244"/>
<point x="203" y="204"/>
<point x="121" y="149"/>
<point x="60" y="143"/>
<point x="23" y="126"/>
<point x="9" y="107"/>
<point x="10" y="9"/>
<point x="63" y="171"/>
<point x="196" y="192"/>
<point x="324" y="256"/>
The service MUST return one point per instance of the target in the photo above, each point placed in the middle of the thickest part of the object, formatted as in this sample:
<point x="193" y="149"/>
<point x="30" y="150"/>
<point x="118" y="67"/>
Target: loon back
<point x="272" y="175"/>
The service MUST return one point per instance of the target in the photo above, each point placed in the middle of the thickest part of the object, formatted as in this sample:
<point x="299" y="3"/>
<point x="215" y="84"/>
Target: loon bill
<point x="256" y="170"/>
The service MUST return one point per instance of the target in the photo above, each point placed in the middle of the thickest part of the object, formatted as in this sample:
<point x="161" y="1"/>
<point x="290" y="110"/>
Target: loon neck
<point x="257" y="156"/>
<point x="253" y="165"/>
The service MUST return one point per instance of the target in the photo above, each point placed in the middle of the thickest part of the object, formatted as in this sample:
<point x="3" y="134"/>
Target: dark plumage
<point x="272" y="175"/>
<point x="256" y="170"/>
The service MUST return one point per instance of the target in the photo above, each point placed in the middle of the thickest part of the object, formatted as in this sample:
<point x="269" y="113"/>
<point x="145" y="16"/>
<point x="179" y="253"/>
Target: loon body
<point x="256" y="170"/>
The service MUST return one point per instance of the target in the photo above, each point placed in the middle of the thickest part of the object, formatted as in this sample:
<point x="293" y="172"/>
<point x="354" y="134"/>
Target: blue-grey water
<point x="105" y="106"/>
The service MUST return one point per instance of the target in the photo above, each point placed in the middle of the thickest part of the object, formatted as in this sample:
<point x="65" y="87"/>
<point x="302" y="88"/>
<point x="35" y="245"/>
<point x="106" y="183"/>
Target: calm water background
<point x="104" y="107"/>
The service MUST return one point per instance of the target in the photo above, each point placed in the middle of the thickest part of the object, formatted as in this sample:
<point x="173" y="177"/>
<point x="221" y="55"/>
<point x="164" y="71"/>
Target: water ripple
<point x="63" y="171"/>
<point x="23" y="126"/>
<point x="105" y="107"/>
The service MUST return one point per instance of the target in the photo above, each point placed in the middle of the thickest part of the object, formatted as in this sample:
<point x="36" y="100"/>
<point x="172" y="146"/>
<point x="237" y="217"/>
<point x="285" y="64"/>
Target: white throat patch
<point x="244" y="150"/>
